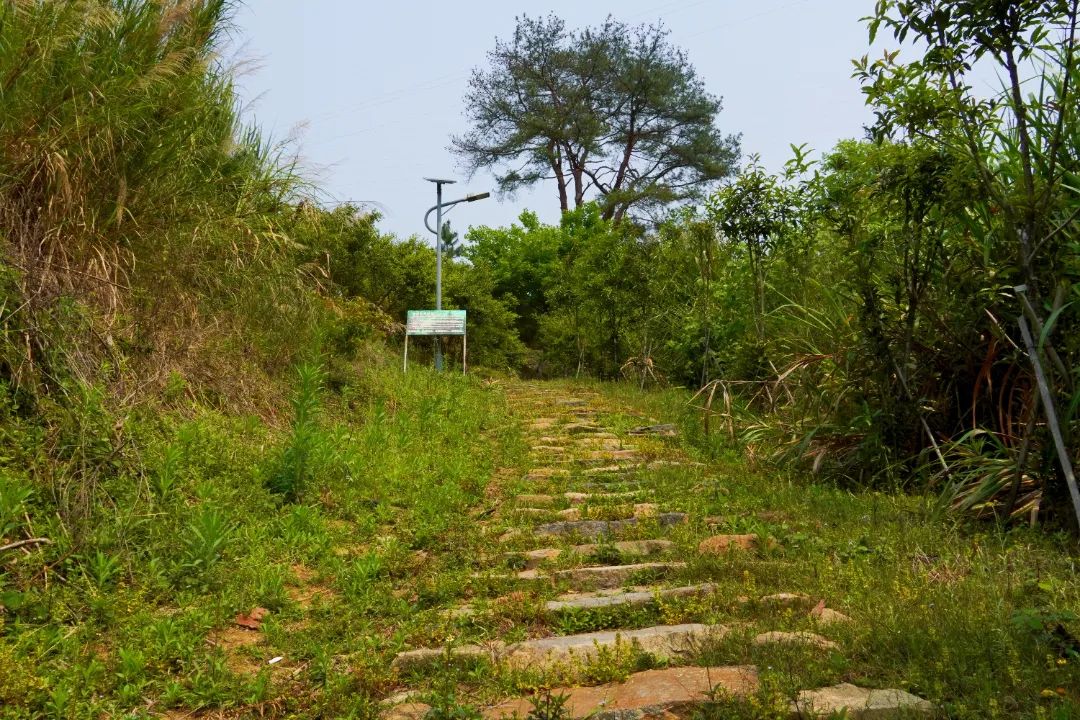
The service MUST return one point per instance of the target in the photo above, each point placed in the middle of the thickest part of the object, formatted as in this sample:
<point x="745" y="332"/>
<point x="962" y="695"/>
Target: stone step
<point x="668" y="642"/>
<point x="653" y="693"/>
<point x="795" y="638"/>
<point x="598" y="528"/>
<point x="856" y="703"/>
<point x="579" y="498"/>
<point x="535" y="558"/>
<point x="634" y="598"/>
<point x="613" y="576"/>
<point x="665" y="430"/>
<point x="600" y="443"/>
<point x="546" y="473"/>
<point x="579" y="428"/>
<point x="609" y="456"/>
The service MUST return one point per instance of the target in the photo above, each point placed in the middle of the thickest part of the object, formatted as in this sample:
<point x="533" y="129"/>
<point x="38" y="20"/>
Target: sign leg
<point x="405" y="369"/>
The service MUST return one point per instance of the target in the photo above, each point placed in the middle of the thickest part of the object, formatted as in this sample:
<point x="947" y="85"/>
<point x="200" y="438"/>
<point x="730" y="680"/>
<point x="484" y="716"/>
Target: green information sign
<point x="435" y="322"/>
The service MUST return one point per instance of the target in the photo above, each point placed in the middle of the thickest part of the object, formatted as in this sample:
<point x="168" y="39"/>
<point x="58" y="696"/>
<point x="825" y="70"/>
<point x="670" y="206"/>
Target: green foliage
<point x="292" y="473"/>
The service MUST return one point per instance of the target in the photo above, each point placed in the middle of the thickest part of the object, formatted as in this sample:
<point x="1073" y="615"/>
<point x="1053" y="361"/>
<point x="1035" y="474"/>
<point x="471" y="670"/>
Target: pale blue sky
<point x="375" y="89"/>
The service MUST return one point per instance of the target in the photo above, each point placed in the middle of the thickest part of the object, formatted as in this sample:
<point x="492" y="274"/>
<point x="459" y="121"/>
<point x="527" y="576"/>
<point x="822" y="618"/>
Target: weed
<point x="293" y="470"/>
<point x="204" y="539"/>
<point x="547" y="705"/>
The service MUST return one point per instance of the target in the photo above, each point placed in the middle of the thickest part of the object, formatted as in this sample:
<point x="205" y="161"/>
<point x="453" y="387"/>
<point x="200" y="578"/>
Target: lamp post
<point x="438" y="210"/>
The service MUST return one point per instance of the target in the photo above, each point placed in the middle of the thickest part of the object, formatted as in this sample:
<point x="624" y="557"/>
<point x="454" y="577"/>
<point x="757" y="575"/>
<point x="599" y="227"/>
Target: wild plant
<point x="294" y="467"/>
<point x="204" y="540"/>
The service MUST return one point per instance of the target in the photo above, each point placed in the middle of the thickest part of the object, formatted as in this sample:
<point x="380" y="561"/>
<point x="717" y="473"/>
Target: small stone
<point x="721" y="544"/>
<point x="795" y="638"/>
<point x="858" y="703"/>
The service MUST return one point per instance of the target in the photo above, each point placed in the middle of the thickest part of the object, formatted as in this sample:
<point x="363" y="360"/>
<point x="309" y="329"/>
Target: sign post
<point x="436" y="323"/>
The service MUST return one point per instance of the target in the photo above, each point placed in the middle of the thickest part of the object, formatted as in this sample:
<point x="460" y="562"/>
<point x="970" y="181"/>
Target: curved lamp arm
<point x="452" y="203"/>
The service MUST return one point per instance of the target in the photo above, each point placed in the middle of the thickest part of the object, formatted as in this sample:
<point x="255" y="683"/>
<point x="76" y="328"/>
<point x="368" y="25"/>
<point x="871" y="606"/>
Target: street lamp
<point x="438" y="210"/>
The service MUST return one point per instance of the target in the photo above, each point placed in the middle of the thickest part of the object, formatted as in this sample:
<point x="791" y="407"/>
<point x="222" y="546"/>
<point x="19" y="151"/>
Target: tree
<point x="616" y="112"/>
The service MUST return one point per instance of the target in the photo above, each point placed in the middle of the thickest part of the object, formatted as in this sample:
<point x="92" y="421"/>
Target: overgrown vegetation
<point x="858" y="314"/>
<point x="208" y="459"/>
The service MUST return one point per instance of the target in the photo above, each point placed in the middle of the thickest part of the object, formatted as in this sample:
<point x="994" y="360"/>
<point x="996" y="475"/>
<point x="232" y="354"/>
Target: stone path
<point x="586" y="532"/>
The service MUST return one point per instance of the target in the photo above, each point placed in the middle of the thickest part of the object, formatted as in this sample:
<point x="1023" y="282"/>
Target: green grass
<point x="394" y="525"/>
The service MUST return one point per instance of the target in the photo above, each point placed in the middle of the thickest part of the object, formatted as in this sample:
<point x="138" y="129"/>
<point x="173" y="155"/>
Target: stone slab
<point x="665" y="641"/>
<point x="858" y="703"/>
<point x="795" y="638"/>
<point x="646" y="694"/>
<point x="595" y="601"/>
<point x="610" y="576"/>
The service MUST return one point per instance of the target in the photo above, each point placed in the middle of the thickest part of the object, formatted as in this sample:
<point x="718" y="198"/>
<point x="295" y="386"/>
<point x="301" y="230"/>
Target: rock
<point x="511" y="535"/>
<point x="636" y="598"/>
<point x="858" y="703"/>
<point x="646" y="694"/>
<point x="425" y="657"/>
<point x="546" y="473"/>
<point x="721" y="544"/>
<point x="570" y="514"/>
<point x="795" y="638"/>
<point x="570" y="402"/>
<point x="407" y="711"/>
<point x="665" y="430"/>
<point x="664" y="641"/>
<point x="585" y="528"/>
<point x="629" y="547"/>
<point x="578" y="498"/>
<point x="671" y="518"/>
<point x="534" y="558"/>
<point x="554" y="449"/>
<point x="643" y="510"/>
<point x="543" y="423"/>
<point x="611" y="576"/>
<point x="582" y="429"/>
<point x="606" y="470"/>
<point x="602" y="443"/>
<point x="824" y="616"/>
